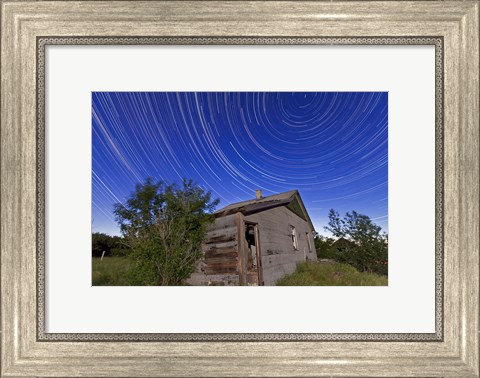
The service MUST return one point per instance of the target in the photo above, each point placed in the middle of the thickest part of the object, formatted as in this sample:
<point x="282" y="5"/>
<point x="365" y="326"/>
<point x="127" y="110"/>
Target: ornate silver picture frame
<point x="27" y="28"/>
<point x="338" y="41"/>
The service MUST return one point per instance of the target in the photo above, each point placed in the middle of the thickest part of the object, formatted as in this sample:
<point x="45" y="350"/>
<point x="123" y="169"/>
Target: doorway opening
<point x="253" y="255"/>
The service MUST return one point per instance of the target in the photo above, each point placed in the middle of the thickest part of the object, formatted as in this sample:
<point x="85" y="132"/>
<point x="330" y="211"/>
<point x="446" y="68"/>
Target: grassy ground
<point x="111" y="271"/>
<point x="315" y="274"/>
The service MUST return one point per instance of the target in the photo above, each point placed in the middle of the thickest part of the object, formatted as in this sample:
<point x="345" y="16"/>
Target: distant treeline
<point x="356" y="241"/>
<point x="112" y="245"/>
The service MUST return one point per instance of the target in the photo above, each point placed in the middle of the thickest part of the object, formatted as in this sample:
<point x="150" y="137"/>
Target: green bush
<point x="164" y="227"/>
<point x="323" y="246"/>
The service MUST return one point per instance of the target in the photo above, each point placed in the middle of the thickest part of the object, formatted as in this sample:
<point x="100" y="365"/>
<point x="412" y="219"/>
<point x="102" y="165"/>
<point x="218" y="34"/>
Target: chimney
<point x="258" y="194"/>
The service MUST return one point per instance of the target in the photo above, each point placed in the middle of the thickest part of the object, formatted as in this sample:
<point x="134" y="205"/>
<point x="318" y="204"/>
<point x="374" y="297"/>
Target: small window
<point x="309" y="242"/>
<point x="293" y="233"/>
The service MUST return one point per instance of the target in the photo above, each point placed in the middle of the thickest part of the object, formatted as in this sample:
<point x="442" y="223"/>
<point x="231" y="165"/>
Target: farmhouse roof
<point x="265" y="203"/>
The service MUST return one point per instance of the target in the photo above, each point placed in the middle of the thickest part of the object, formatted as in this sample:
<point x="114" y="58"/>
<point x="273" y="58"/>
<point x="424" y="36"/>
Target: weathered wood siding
<point x="279" y="257"/>
<point x="220" y="263"/>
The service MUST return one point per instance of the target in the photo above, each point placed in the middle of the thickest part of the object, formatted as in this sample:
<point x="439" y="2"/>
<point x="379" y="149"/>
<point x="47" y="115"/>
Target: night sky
<point x="332" y="147"/>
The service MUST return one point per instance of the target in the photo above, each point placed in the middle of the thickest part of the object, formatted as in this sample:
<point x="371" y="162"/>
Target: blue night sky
<point x="332" y="147"/>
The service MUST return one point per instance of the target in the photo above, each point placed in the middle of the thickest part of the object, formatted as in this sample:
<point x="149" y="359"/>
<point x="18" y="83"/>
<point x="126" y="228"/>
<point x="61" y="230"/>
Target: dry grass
<point x="315" y="274"/>
<point x="111" y="271"/>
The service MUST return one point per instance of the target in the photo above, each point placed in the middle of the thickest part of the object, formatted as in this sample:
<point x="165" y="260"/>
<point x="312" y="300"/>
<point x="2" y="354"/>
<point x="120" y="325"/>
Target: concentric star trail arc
<point x="331" y="146"/>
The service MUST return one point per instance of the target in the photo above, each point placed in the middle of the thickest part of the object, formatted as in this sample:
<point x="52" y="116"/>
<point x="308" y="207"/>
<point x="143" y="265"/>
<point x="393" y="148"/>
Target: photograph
<point x="239" y="188"/>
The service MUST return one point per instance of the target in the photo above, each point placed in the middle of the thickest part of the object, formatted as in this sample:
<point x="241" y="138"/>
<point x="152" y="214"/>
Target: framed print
<point x="240" y="188"/>
<point x="416" y="302"/>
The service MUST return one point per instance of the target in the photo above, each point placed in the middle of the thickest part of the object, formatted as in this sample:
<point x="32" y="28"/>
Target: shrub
<point x="164" y="227"/>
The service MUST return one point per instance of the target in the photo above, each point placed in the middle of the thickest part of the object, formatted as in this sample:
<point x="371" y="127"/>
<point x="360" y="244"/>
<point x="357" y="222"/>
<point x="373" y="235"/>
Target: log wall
<point x="219" y="267"/>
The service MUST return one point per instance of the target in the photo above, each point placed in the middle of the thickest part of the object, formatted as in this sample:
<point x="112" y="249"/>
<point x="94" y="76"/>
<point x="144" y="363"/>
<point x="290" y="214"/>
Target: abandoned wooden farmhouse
<point x="256" y="242"/>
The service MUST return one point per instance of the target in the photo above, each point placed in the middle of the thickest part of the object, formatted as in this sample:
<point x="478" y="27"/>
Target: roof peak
<point x="274" y="199"/>
<point x="289" y="192"/>
<point x="265" y="203"/>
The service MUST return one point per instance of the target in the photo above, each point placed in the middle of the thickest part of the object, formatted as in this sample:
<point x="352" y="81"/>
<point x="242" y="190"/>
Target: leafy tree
<point x="164" y="227"/>
<point x="112" y="245"/>
<point x="323" y="246"/>
<point x="119" y="247"/>
<point x="101" y="242"/>
<point x="363" y="246"/>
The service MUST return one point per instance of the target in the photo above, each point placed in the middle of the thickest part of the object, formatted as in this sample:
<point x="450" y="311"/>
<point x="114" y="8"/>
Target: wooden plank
<point x="252" y="279"/>
<point x="221" y="268"/>
<point x="226" y="279"/>
<point x="259" y="257"/>
<point x="230" y="230"/>
<point x="220" y="239"/>
<point x="217" y="263"/>
<point x="242" y="271"/>
<point x="224" y="222"/>
<point x="228" y="253"/>
<point x="230" y="244"/>
<point x="221" y="260"/>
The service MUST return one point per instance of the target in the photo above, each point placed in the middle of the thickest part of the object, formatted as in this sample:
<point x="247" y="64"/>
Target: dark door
<point x="253" y="255"/>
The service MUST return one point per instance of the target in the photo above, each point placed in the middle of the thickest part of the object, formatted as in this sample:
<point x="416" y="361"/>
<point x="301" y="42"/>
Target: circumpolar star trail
<point x="331" y="146"/>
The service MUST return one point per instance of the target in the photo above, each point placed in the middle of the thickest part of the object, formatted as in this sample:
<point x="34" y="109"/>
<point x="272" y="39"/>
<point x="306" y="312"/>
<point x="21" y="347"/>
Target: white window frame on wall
<point x="309" y="242"/>
<point x="293" y="233"/>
